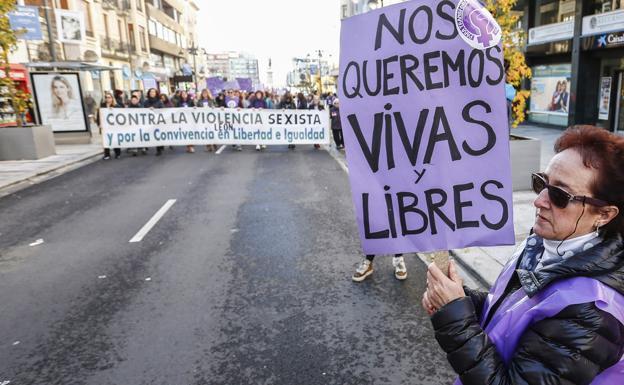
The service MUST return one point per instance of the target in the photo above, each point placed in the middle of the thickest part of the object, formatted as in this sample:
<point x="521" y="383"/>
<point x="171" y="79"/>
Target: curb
<point x="86" y="159"/>
<point x="466" y="266"/>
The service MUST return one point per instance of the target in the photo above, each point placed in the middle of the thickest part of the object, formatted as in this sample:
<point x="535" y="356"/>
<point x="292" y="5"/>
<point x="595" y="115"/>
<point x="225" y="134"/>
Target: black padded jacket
<point x="572" y="347"/>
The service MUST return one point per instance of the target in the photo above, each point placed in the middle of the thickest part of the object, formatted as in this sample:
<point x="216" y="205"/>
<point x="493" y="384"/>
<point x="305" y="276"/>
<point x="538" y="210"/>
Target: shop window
<point x="550" y="94"/>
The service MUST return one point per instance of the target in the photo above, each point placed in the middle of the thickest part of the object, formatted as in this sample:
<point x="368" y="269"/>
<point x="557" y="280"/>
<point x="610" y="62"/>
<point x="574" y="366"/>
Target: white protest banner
<point x="144" y="127"/>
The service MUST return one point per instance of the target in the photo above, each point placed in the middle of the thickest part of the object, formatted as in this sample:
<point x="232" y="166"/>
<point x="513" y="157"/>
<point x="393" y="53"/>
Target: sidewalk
<point x="487" y="262"/>
<point x="16" y="174"/>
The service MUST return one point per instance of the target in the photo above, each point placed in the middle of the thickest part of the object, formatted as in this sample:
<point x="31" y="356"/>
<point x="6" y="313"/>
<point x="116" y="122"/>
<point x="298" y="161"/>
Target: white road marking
<point x="220" y="150"/>
<point x="37" y="242"/>
<point x="152" y="222"/>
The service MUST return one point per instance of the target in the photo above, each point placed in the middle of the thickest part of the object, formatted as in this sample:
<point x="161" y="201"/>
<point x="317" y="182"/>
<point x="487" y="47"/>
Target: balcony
<point x="119" y="5"/>
<point x="116" y="48"/>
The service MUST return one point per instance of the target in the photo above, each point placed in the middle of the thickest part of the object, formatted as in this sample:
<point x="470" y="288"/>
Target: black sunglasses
<point x="560" y="197"/>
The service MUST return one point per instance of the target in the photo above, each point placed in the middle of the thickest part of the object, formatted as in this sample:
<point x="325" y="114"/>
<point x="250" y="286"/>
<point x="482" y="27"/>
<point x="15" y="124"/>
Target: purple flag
<point x="425" y="125"/>
<point x="214" y="84"/>
<point x="245" y="84"/>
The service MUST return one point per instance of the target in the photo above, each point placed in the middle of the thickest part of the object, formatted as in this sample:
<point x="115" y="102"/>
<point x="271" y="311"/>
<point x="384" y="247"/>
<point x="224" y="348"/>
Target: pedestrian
<point x="120" y="98"/>
<point x="336" y="124"/>
<point x="269" y="100"/>
<point x="184" y="100"/>
<point x="206" y="100"/>
<point x="220" y="100"/>
<point x="108" y="102"/>
<point x="165" y="101"/>
<point x="245" y="100"/>
<point x="555" y="315"/>
<point x="302" y="102"/>
<point x="365" y="268"/>
<point x="287" y="103"/>
<point x="135" y="102"/>
<point x="259" y="102"/>
<point x="153" y="101"/>
<point x="317" y="106"/>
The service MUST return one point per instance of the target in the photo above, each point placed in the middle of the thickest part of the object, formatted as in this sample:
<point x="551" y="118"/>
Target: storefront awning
<point x="73" y="65"/>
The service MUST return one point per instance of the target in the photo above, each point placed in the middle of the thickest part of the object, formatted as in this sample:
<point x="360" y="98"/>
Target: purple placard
<point x="245" y="84"/>
<point x="214" y="84"/>
<point x="231" y="85"/>
<point x="425" y="125"/>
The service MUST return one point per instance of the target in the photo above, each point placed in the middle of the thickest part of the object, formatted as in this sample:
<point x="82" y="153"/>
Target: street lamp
<point x="374" y="4"/>
<point x="194" y="51"/>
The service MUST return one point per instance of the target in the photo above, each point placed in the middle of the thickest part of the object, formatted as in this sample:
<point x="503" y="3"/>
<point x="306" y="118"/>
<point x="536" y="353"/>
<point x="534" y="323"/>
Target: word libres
<point x="415" y="219"/>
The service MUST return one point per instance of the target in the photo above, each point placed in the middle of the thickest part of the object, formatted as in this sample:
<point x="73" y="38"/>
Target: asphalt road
<point x="244" y="280"/>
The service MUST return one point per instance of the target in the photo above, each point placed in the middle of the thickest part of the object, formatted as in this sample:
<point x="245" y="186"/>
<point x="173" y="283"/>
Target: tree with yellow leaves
<point x="512" y="40"/>
<point x="8" y="42"/>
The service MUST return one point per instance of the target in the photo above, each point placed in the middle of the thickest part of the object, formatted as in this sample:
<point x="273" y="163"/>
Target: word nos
<point x="438" y="69"/>
<point x="415" y="220"/>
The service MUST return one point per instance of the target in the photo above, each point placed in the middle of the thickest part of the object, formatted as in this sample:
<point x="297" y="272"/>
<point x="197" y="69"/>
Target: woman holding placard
<point x="556" y="313"/>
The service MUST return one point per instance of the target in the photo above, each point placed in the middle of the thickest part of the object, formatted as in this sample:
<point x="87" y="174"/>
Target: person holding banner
<point x="287" y="103"/>
<point x="153" y="101"/>
<point x="184" y="100"/>
<point x="258" y="102"/>
<point x="108" y="102"/>
<point x="206" y="100"/>
<point x="135" y="102"/>
<point x="556" y="313"/>
<point x="317" y="106"/>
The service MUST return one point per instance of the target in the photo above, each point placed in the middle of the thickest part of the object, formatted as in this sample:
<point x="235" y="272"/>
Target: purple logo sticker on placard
<point x="476" y="25"/>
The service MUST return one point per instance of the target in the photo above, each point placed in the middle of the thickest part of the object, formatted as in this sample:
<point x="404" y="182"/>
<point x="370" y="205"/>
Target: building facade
<point x="167" y="40"/>
<point x="576" y="51"/>
<point x="143" y="41"/>
<point x="232" y="65"/>
<point x="304" y="75"/>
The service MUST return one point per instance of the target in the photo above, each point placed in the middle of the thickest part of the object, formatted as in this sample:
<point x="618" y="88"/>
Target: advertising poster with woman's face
<point x="550" y="94"/>
<point x="59" y="101"/>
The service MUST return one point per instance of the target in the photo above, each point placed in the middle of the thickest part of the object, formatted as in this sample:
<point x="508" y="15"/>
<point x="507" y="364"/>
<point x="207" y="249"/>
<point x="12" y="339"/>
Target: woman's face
<point x="109" y="99"/>
<point x="60" y="89"/>
<point x="567" y="171"/>
<point x="152" y="93"/>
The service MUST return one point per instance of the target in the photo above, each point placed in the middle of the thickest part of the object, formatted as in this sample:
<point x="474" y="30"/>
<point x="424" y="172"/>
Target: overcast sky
<point x="279" y="29"/>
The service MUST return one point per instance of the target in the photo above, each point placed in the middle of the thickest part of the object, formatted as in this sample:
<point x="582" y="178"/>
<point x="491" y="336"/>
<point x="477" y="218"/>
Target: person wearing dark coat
<point x="135" y="102"/>
<point x="258" y="101"/>
<point x="153" y="101"/>
<point x="336" y="125"/>
<point x="184" y="100"/>
<point x="287" y="103"/>
<point x="316" y="105"/>
<point x="556" y="313"/>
